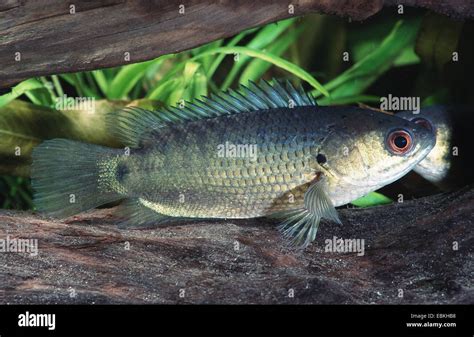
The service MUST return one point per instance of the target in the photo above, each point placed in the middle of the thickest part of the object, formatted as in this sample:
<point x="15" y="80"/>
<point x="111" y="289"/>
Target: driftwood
<point x="54" y="36"/>
<point x="419" y="251"/>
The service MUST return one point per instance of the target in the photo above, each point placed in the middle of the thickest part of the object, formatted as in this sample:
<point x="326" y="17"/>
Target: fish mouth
<point x="417" y="157"/>
<point x="429" y="141"/>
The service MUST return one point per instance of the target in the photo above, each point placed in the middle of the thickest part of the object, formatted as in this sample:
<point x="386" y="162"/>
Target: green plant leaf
<point x="17" y="192"/>
<point x="365" y="39"/>
<point x="200" y="85"/>
<point x="162" y="91"/>
<point x="206" y="61"/>
<point x="176" y="88"/>
<point x="439" y="97"/>
<point x="362" y="74"/>
<point x="218" y="60"/>
<point x="127" y="77"/>
<point x="101" y="80"/>
<point x="183" y="91"/>
<point x="256" y="68"/>
<point x="77" y="81"/>
<point x="83" y="90"/>
<point x="372" y="199"/>
<point x="24" y="125"/>
<point x="20" y="89"/>
<point x="57" y="85"/>
<point x="264" y="37"/>
<point x="438" y="40"/>
<point x="273" y="59"/>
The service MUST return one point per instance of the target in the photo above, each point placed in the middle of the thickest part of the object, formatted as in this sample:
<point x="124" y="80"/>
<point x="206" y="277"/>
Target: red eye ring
<point x="399" y="141"/>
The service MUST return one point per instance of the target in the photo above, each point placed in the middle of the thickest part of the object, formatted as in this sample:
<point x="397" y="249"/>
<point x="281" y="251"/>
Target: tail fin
<point x="65" y="176"/>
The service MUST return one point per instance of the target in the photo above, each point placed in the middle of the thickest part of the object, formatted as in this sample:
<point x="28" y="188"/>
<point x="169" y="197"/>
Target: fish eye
<point x="399" y="141"/>
<point x="423" y="122"/>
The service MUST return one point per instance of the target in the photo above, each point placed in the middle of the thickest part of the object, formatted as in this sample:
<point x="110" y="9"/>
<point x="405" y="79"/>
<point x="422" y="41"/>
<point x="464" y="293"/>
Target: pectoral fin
<point x="318" y="203"/>
<point x="301" y="225"/>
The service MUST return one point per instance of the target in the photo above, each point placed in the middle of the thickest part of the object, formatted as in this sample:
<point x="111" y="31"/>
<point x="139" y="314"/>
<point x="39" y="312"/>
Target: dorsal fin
<point x="131" y="124"/>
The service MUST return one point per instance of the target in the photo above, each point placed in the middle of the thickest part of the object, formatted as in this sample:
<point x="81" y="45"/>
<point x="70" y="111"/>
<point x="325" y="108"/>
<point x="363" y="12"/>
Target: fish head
<point x="436" y="165"/>
<point x="366" y="150"/>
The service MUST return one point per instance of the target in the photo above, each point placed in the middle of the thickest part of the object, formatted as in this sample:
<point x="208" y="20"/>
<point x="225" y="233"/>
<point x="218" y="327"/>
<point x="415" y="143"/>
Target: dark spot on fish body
<point x="321" y="158"/>
<point x="122" y="171"/>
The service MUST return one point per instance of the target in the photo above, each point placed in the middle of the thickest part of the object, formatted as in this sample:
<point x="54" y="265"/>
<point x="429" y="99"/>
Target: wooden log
<point x="53" y="36"/>
<point x="418" y="251"/>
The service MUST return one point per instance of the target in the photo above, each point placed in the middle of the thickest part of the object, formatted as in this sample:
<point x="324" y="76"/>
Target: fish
<point x="448" y="165"/>
<point x="263" y="150"/>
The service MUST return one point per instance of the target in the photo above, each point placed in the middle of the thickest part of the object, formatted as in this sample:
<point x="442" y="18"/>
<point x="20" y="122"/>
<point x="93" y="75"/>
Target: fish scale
<point x="205" y="182"/>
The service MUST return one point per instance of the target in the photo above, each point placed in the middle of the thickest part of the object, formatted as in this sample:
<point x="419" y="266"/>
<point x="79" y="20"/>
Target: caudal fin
<point x="65" y="176"/>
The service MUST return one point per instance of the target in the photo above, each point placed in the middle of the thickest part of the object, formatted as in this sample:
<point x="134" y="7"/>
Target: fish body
<point x="238" y="155"/>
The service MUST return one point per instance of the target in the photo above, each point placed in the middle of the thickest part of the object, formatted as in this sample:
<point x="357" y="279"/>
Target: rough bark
<point x="409" y="246"/>
<point x="50" y="37"/>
